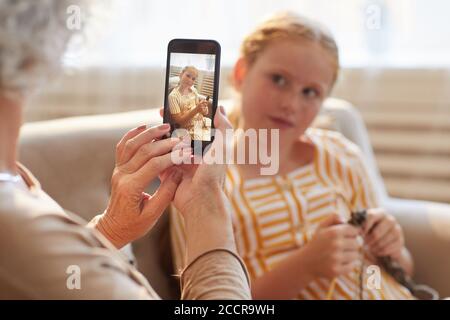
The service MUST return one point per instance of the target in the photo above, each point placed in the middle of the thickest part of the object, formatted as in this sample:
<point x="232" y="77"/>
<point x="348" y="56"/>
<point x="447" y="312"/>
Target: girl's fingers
<point x="345" y="230"/>
<point x="350" y="257"/>
<point x="373" y="218"/>
<point x="331" y="220"/>
<point x="385" y="241"/>
<point x="132" y="145"/>
<point x="351" y="245"/>
<point x="391" y="249"/>
<point x="379" y="231"/>
<point x="349" y="267"/>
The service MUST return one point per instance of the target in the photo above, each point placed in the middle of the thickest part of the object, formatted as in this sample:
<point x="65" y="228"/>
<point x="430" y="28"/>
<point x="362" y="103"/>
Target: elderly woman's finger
<point x="166" y="173"/>
<point x="156" y="205"/>
<point x="155" y="166"/>
<point x="131" y="146"/>
<point x="215" y="157"/>
<point x="221" y="121"/>
<point x="130" y="134"/>
<point x="151" y="150"/>
<point x="161" y="112"/>
<point x="221" y="124"/>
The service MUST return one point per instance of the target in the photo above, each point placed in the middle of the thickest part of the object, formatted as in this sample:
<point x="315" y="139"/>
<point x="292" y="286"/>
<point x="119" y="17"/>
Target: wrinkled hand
<point x="383" y="235"/>
<point x="200" y="177"/>
<point x="140" y="158"/>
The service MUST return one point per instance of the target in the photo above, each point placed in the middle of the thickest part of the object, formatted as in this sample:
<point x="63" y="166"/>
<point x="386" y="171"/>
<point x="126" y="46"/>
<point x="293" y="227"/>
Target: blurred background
<point x="395" y="58"/>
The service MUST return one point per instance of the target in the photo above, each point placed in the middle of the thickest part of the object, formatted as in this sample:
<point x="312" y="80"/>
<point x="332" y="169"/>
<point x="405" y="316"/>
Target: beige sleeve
<point x="178" y="240"/>
<point x="216" y="275"/>
<point x="52" y="256"/>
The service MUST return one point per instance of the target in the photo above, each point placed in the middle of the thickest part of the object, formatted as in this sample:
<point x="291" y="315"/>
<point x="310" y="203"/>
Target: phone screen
<point x="192" y="88"/>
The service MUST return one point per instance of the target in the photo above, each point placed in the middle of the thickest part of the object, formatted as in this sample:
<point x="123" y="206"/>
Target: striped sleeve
<point x="174" y="103"/>
<point x="364" y="196"/>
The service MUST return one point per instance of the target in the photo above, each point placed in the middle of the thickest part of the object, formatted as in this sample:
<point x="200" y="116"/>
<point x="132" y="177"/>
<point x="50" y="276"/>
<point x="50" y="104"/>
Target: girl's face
<point x="187" y="78"/>
<point x="285" y="87"/>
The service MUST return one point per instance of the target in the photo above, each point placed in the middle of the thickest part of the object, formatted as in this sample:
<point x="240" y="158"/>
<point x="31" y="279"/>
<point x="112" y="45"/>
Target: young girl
<point x="291" y="228"/>
<point x="185" y="106"/>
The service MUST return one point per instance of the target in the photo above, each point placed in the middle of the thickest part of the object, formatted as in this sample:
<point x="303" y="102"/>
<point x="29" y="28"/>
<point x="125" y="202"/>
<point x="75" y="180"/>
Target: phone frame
<point x="194" y="46"/>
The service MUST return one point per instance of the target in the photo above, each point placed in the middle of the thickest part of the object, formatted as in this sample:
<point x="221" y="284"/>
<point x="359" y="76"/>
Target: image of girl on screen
<point x="187" y="109"/>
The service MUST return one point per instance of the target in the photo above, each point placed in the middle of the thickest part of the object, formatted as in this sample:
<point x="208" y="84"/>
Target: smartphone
<point x="192" y="89"/>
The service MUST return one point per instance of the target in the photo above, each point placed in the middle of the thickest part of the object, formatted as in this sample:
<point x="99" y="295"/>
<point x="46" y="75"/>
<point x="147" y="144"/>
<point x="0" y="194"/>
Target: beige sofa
<point x="74" y="158"/>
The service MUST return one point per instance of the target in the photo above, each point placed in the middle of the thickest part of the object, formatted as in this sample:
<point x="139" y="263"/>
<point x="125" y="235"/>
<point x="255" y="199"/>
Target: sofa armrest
<point x="427" y="232"/>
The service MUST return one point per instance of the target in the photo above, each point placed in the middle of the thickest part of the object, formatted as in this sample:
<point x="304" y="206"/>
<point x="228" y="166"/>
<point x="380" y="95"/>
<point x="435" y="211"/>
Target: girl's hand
<point x="383" y="235"/>
<point x="205" y="110"/>
<point x="334" y="249"/>
<point x="202" y="106"/>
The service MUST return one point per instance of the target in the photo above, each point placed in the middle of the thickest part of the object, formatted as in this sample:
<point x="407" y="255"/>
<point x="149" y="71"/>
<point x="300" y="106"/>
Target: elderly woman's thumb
<point x="221" y="121"/>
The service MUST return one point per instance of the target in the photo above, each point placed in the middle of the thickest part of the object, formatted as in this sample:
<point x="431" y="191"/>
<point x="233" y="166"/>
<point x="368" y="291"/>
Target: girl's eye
<point x="310" y="93"/>
<point x="279" y="80"/>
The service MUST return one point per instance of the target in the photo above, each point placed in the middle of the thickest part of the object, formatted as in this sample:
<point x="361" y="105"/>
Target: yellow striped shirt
<point x="275" y="215"/>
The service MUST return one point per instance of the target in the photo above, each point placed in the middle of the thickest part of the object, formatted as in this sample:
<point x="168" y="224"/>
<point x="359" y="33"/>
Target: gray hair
<point x="34" y="35"/>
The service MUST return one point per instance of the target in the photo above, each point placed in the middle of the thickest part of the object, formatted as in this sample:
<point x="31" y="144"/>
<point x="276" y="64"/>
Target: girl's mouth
<point x="282" y="123"/>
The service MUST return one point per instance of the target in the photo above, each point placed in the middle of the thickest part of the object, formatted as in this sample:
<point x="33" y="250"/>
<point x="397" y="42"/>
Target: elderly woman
<point x="39" y="241"/>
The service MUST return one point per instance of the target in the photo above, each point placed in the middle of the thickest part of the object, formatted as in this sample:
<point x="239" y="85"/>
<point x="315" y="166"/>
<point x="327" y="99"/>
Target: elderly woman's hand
<point x="202" y="176"/>
<point x="205" y="176"/>
<point x="201" y="199"/>
<point x="140" y="158"/>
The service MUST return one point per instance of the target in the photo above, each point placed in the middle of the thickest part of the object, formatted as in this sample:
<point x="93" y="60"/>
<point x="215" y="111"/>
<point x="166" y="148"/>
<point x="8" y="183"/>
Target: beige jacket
<point x="46" y="253"/>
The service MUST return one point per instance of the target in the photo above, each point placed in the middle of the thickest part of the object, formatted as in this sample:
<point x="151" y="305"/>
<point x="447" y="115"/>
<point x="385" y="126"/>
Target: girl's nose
<point x="289" y="103"/>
